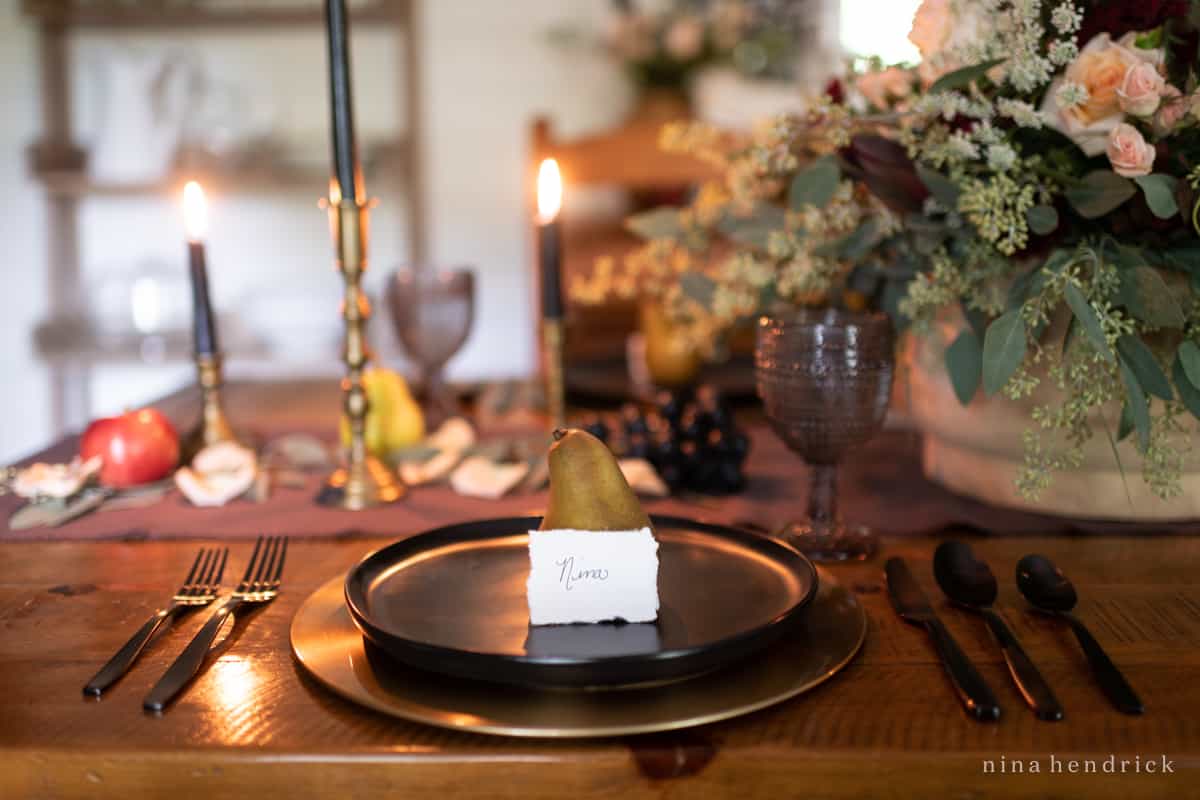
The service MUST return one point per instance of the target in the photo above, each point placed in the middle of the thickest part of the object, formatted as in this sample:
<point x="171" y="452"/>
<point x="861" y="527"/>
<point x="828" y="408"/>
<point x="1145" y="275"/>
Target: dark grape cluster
<point x="693" y="443"/>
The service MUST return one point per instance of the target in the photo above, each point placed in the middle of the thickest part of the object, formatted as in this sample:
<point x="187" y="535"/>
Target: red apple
<point x="137" y="447"/>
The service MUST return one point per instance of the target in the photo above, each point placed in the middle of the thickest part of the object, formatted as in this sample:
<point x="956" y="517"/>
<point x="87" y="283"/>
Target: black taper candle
<point x="204" y="330"/>
<point x="345" y="152"/>
<point x="550" y="253"/>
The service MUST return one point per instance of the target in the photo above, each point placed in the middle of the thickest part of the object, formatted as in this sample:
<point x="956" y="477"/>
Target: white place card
<point x="592" y="576"/>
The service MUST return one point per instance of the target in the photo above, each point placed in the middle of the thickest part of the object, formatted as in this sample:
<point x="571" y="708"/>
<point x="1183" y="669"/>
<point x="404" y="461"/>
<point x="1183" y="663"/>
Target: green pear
<point x="587" y="490"/>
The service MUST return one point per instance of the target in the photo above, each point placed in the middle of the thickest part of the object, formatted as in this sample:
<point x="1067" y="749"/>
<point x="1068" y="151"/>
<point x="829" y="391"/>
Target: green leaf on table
<point x="754" y="229"/>
<point x="1147" y="296"/>
<point x="1042" y="219"/>
<point x="1188" y="393"/>
<point x="944" y="190"/>
<point x="1189" y="357"/>
<point x="698" y="286"/>
<point x="1003" y="350"/>
<point x="1100" y="192"/>
<point x="1160" y="194"/>
<point x="1138" y="358"/>
<point x="964" y="363"/>
<point x="663" y="222"/>
<point x="815" y="184"/>
<point x="1125" y="425"/>
<point x="1139" y="407"/>
<point x="964" y="77"/>
<point x="1087" y="318"/>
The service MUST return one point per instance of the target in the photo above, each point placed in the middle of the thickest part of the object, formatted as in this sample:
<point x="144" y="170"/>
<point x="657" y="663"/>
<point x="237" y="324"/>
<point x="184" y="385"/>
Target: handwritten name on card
<point x="592" y="576"/>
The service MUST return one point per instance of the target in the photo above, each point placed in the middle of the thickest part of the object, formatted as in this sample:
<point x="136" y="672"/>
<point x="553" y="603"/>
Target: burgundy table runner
<point x="882" y="486"/>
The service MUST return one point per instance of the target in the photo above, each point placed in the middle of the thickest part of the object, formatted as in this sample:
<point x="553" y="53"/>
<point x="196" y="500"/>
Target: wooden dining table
<point x="254" y="724"/>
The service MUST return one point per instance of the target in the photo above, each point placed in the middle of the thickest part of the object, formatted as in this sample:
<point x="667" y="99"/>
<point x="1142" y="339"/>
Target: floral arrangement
<point x="663" y="47"/>
<point x="1040" y="165"/>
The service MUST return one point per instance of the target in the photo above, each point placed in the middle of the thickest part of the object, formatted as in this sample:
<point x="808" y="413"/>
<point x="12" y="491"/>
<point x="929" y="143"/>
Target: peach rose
<point x="881" y="87"/>
<point x="685" y="38"/>
<point x="1129" y="154"/>
<point x="1141" y="90"/>
<point x="1100" y="68"/>
<point x="940" y="26"/>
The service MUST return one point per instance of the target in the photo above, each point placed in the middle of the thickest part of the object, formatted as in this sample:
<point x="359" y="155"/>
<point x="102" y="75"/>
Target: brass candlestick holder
<point x="364" y="481"/>
<point x="552" y="344"/>
<point x="213" y="426"/>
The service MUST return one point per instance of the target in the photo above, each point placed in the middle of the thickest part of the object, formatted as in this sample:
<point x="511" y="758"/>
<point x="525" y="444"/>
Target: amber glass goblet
<point x="825" y="377"/>
<point x="432" y="311"/>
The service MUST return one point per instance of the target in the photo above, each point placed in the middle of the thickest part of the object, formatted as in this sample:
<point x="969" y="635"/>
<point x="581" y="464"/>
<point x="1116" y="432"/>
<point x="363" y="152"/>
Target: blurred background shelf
<point x="284" y="166"/>
<point x="385" y="161"/>
<point x="170" y="15"/>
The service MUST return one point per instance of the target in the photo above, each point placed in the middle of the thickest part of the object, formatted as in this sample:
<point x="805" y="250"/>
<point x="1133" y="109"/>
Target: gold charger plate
<point x="327" y="644"/>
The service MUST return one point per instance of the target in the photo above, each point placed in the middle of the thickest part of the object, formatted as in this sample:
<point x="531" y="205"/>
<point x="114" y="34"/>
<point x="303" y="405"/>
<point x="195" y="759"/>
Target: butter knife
<point x="913" y="607"/>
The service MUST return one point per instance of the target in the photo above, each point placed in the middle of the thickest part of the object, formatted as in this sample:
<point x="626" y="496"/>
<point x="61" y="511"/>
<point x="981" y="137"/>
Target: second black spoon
<point x="969" y="582"/>
<point x="1044" y="585"/>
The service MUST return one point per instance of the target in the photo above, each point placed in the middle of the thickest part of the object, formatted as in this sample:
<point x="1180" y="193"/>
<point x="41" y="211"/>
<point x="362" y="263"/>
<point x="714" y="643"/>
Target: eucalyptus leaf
<point x="1160" y="194"/>
<point x="1139" y="407"/>
<point x="1137" y="357"/>
<point x="1189" y="357"/>
<point x="1003" y="350"/>
<point x="1188" y="393"/>
<point x="1148" y="298"/>
<point x="1042" y="219"/>
<point x="698" y="287"/>
<point x="658" y="223"/>
<point x="964" y="363"/>
<point x="1125" y="425"/>
<point x="754" y="229"/>
<point x="858" y="243"/>
<point x="944" y="190"/>
<point x="963" y="77"/>
<point x="815" y="184"/>
<point x="1087" y="318"/>
<point x="1099" y="193"/>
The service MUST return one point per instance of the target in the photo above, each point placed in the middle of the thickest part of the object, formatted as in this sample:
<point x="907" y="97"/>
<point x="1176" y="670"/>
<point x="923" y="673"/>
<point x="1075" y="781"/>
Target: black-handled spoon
<point x="1047" y="588"/>
<point x="970" y="583"/>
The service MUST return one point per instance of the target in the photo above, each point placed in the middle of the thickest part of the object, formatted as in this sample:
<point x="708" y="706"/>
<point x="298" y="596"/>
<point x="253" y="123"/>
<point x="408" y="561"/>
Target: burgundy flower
<point x="886" y="169"/>
<point x="1119" y="17"/>
<point x="835" y="92"/>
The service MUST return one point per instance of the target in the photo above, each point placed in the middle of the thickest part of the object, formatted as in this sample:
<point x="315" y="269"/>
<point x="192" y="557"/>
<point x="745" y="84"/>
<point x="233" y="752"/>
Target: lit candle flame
<point x="549" y="191"/>
<point x="195" y="211"/>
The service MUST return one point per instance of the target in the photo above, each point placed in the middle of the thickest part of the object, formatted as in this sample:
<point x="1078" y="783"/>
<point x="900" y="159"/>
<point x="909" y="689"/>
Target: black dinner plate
<point x="452" y="600"/>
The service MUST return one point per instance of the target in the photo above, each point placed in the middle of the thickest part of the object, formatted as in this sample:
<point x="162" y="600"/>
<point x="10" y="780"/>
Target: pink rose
<point x="1129" y="153"/>
<point x="1141" y="90"/>
<point x="1171" y="111"/>
<point x="685" y="38"/>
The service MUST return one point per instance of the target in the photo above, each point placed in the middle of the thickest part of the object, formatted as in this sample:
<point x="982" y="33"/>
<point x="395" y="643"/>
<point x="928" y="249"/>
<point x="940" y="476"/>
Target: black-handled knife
<point x="912" y="606"/>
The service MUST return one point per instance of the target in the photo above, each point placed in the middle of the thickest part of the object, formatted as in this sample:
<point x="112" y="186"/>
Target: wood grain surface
<point x="888" y="726"/>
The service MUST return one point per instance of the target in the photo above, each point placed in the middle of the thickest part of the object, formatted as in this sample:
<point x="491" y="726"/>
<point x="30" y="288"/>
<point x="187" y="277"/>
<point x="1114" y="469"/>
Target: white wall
<point x="487" y="68"/>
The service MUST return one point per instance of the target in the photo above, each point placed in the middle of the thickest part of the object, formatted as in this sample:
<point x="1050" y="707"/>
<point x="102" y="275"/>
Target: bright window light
<point x="879" y="28"/>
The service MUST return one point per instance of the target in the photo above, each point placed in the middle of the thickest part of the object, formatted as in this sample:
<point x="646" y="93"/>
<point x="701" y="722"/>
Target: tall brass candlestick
<point x="364" y="481"/>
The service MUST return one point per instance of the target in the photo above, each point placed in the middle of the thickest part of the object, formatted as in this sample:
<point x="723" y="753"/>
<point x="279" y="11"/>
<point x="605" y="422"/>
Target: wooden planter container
<point x="977" y="449"/>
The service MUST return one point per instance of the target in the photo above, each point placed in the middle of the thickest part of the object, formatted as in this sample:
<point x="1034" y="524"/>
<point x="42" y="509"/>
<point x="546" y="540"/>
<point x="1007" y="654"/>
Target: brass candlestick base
<point x="364" y="481"/>
<point x="213" y="426"/>
<point x="552" y="346"/>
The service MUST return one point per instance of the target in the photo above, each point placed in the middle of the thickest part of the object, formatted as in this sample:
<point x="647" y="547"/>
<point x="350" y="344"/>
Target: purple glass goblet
<point x="825" y="378"/>
<point x="432" y="312"/>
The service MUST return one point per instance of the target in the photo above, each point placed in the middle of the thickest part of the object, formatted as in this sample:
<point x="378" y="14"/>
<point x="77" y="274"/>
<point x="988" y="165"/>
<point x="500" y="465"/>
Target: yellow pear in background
<point x="394" y="420"/>
<point x="587" y="490"/>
